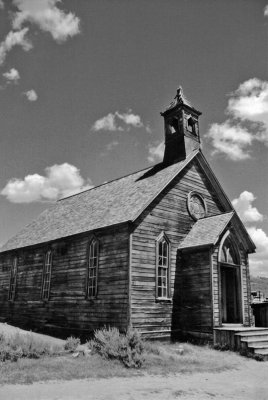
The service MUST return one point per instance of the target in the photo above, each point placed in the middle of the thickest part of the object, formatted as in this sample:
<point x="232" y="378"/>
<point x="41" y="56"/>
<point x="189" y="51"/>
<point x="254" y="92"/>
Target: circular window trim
<point x="203" y="201"/>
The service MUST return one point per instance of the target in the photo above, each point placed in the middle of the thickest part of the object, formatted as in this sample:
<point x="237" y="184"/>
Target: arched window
<point x="162" y="267"/>
<point x="93" y="263"/>
<point x="229" y="253"/>
<point x="13" y="279"/>
<point x="47" y="275"/>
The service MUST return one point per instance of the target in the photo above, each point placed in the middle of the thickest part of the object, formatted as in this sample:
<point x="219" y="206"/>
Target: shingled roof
<point x="115" y="202"/>
<point x="206" y="231"/>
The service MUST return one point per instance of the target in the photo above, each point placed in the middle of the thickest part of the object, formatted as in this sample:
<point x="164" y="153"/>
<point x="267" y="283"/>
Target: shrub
<point x="127" y="348"/>
<point x="72" y="343"/>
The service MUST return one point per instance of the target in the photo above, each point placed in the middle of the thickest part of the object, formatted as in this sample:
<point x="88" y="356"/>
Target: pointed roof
<point x="207" y="231"/>
<point x="112" y="203"/>
<point x="179" y="100"/>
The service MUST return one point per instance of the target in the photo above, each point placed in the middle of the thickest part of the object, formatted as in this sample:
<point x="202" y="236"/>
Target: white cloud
<point x="248" y="121"/>
<point x="250" y="103"/>
<point x="14" y="39"/>
<point x="2" y="4"/>
<point x="47" y="16"/>
<point x="259" y="261"/>
<point x="266" y="11"/>
<point x="249" y="214"/>
<point x="31" y="95"/>
<point x="59" y="181"/>
<point x="130" y="119"/>
<point x="231" y="140"/>
<point x="243" y="206"/>
<point x="106" y="123"/>
<point x="156" y="152"/>
<point x="12" y="75"/>
<point x="118" y="122"/>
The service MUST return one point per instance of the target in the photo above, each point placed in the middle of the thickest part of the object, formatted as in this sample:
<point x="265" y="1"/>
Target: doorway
<point x="230" y="294"/>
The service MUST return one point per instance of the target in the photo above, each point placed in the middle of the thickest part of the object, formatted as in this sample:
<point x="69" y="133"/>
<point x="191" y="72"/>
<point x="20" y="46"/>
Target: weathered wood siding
<point x="192" y="309"/>
<point x="67" y="306"/>
<point x="167" y="213"/>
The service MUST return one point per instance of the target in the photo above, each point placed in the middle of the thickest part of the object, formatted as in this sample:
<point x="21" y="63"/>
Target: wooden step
<point x="251" y="333"/>
<point x="263" y="351"/>
<point x="254" y="341"/>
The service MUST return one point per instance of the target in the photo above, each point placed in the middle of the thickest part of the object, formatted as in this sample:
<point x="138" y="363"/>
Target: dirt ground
<point x="247" y="383"/>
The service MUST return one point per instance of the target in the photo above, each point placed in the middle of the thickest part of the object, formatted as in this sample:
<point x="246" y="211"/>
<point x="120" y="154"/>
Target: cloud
<point x="14" y="39"/>
<point x="156" y="152"/>
<point x="266" y="11"/>
<point x="59" y="181"/>
<point x="231" y="140"/>
<point x="31" y="95"/>
<point x="243" y="206"/>
<point x="12" y="75"/>
<point x="106" y="123"/>
<point x="47" y="16"/>
<point x="248" y="121"/>
<point x="250" y="103"/>
<point x="259" y="260"/>
<point x="2" y="4"/>
<point x="118" y="122"/>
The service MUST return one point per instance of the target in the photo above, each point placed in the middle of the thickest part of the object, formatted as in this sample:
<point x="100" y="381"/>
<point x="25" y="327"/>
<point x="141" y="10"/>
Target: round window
<point x="196" y="205"/>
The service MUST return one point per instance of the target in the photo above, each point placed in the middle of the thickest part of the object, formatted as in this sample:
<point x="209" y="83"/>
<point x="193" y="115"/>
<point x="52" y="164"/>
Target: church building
<point x="161" y="250"/>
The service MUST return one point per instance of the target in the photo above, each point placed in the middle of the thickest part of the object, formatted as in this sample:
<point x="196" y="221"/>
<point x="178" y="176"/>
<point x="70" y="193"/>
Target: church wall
<point x="67" y="306"/>
<point x="167" y="213"/>
<point x="192" y="309"/>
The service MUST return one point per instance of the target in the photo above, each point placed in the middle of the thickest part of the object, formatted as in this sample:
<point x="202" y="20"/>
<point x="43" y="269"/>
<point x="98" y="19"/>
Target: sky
<point x="82" y="85"/>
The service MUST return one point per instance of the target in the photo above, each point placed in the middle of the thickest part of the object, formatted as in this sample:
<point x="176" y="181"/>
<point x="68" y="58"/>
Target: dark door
<point x="230" y="291"/>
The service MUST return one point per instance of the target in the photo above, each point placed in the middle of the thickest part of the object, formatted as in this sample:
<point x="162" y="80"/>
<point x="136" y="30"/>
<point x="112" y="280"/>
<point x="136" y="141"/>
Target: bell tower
<point x="181" y="129"/>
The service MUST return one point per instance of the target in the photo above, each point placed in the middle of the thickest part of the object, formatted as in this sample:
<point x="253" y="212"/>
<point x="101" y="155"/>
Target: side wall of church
<point x="67" y="308"/>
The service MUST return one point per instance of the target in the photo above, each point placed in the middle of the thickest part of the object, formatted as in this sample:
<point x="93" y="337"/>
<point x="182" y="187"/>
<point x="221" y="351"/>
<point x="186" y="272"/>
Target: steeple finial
<point x="179" y="99"/>
<point x="179" y="95"/>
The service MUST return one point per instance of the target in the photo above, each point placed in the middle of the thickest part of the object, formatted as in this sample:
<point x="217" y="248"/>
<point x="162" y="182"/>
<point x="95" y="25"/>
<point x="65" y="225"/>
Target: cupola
<point x="181" y="129"/>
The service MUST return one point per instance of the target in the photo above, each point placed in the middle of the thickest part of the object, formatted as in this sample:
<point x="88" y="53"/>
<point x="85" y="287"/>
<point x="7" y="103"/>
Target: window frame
<point x="13" y="279"/>
<point x="162" y="238"/>
<point x="46" y="283"/>
<point x="202" y="200"/>
<point x="92" y="289"/>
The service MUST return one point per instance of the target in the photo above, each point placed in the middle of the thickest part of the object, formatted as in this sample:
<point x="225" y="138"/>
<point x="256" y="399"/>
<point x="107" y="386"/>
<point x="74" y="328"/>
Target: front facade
<point x="161" y="250"/>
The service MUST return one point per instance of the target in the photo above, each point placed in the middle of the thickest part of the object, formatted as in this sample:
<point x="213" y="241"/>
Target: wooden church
<point x="161" y="250"/>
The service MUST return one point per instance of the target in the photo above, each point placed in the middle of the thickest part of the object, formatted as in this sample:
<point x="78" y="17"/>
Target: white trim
<point x="242" y="293"/>
<point x="227" y="233"/>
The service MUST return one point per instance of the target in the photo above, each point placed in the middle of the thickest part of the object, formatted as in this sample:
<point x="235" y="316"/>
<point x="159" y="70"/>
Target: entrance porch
<point x="238" y="338"/>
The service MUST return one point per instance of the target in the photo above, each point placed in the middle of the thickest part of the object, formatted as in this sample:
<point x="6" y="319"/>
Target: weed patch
<point x="127" y="348"/>
<point x="71" y="344"/>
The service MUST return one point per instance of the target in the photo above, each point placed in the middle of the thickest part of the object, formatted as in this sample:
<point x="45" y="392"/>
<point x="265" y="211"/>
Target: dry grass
<point x="160" y="359"/>
<point x="165" y="359"/>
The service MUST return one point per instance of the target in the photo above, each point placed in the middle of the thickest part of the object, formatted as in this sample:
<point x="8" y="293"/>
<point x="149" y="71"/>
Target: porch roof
<point x="206" y="231"/>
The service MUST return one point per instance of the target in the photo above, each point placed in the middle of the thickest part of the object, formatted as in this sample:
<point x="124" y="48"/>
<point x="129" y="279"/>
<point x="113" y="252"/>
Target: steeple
<point x="181" y="129"/>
